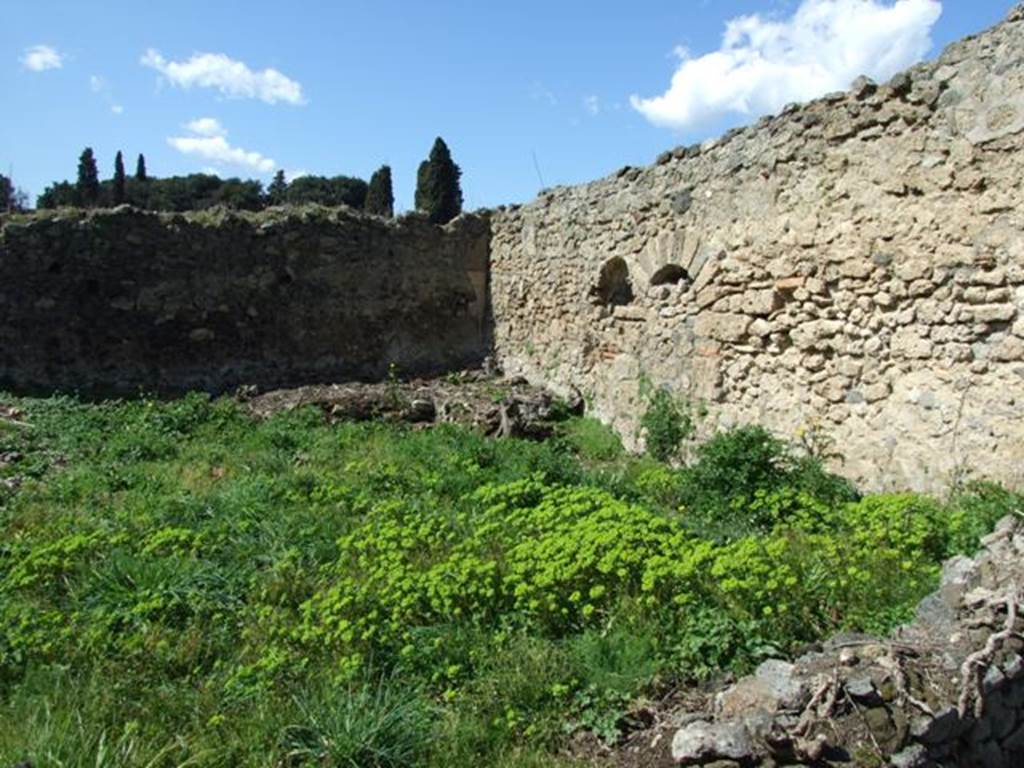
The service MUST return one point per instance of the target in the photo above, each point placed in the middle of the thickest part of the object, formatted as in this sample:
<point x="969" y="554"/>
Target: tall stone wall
<point x="856" y="263"/>
<point x="121" y="300"/>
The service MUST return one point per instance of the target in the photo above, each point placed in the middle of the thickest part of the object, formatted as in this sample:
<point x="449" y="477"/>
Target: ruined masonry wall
<point x="856" y="263"/>
<point x="121" y="300"/>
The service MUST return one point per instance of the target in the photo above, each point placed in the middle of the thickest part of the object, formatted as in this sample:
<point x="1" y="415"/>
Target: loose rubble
<point x="495" y="406"/>
<point x="946" y="690"/>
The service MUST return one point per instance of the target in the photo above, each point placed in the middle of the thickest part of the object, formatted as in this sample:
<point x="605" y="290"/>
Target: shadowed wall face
<point x="117" y="301"/>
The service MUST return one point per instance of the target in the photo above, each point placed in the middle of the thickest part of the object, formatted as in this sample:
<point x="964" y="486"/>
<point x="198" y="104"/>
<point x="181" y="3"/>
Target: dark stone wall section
<point x="118" y="301"/>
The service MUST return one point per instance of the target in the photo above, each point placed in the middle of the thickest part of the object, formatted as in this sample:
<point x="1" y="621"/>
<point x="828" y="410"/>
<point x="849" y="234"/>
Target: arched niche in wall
<point x="613" y="286"/>
<point x="670" y="274"/>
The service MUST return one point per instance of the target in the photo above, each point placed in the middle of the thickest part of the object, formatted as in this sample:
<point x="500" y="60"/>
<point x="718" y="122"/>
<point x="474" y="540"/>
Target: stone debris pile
<point x="946" y="690"/>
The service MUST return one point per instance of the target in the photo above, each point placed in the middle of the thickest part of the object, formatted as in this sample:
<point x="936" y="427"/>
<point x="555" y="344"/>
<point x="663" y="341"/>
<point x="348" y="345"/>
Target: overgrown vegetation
<point x="199" y="191"/>
<point x="180" y="585"/>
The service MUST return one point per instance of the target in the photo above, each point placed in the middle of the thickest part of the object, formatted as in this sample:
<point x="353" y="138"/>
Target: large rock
<point x="703" y="741"/>
<point x="773" y="688"/>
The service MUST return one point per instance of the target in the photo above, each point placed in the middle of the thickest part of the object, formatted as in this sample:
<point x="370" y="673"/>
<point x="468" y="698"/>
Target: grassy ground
<point x="180" y="585"/>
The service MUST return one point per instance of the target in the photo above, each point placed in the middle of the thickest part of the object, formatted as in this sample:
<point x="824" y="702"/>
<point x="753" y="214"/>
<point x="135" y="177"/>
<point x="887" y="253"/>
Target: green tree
<point x="88" y="184"/>
<point x="438" y="193"/>
<point x="60" y="194"/>
<point x="11" y="197"/>
<point x="118" y="189"/>
<point x="380" y="199"/>
<point x="277" y="190"/>
<point x="242" y="195"/>
<point x="337" y="190"/>
<point x="6" y="194"/>
<point x="140" y="168"/>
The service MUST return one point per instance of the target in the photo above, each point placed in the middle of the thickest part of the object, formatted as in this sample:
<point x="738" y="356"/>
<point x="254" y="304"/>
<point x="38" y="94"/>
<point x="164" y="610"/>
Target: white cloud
<point x="39" y="58"/>
<point x="540" y="92"/>
<point x="211" y="144"/>
<point x="99" y="85"/>
<point x="592" y="104"/>
<point x="298" y="173"/>
<point x="232" y="78"/>
<point x="763" y="64"/>
<point x="206" y="126"/>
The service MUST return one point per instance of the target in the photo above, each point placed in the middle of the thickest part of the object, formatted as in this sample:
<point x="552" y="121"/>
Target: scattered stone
<point x="495" y="406"/>
<point x="703" y="742"/>
<point x="914" y="756"/>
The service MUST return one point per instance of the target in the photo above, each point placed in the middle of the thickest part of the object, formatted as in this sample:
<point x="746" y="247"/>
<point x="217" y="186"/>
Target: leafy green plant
<point x="742" y="479"/>
<point x="665" y="424"/>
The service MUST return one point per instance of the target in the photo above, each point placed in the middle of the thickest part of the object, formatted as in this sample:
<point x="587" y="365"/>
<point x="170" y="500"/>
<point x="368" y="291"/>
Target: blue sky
<point x="585" y="86"/>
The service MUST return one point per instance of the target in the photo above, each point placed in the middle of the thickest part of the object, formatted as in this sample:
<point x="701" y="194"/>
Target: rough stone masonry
<point x="856" y="264"/>
<point x="121" y="300"/>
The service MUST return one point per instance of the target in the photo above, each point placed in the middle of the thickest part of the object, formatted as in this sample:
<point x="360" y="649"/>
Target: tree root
<point x="867" y="727"/>
<point x="972" y="672"/>
<point x="891" y="664"/>
<point x="820" y="706"/>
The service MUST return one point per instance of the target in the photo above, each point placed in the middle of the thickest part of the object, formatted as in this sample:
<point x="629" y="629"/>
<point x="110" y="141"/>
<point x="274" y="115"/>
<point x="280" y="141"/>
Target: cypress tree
<point x="140" y="168"/>
<point x="438" y="193"/>
<point x="380" y="199"/>
<point x="6" y="194"/>
<point x="118" y="179"/>
<point x="88" y="185"/>
<point x="277" y="190"/>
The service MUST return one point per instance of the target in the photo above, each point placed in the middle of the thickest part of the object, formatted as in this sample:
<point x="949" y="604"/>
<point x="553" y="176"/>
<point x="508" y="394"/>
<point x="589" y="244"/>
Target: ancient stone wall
<point x="115" y="301"/>
<point x="857" y="263"/>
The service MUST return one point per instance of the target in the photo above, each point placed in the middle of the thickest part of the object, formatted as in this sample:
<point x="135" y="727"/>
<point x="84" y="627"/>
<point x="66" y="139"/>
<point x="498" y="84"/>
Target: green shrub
<point x="665" y="424"/>
<point x="741" y="479"/>
<point x="708" y="640"/>
<point x="551" y="557"/>
<point x="975" y="510"/>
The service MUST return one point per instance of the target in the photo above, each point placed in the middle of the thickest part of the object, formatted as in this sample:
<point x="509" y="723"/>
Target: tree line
<point x="438" y="189"/>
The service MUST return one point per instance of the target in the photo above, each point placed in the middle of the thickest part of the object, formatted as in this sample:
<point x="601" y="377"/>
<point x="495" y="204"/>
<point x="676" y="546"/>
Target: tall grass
<point x="164" y="564"/>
